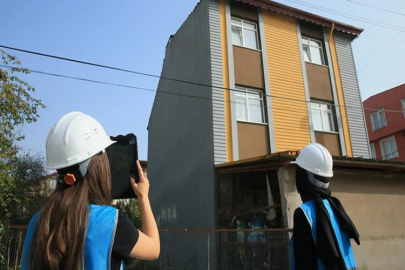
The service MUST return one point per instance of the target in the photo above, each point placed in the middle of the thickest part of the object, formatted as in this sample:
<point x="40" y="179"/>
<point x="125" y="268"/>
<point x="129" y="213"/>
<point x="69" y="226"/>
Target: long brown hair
<point x="59" y="238"/>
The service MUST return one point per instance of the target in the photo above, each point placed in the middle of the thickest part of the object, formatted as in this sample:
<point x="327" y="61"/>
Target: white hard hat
<point x="76" y="137"/>
<point x="315" y="158"/>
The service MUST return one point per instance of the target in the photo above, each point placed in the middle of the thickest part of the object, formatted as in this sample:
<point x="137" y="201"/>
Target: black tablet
<point x="122" y="156"/>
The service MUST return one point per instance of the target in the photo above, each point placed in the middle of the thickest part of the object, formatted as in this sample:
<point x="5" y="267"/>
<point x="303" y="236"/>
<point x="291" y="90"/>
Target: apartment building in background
<point x="386" y="124"/>
<point x="245" y="85"/>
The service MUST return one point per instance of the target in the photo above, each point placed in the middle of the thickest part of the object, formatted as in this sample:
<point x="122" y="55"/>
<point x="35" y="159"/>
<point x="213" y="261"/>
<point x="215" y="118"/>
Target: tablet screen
<point x="122" y="156"/>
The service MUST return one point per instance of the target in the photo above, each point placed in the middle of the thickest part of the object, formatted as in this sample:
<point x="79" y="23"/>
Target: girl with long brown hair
<point x="77" y="228"/>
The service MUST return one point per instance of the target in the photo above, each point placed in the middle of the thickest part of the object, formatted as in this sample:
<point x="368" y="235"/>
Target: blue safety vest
<point x="101" y="227"/>
<point x="342" y="238"/>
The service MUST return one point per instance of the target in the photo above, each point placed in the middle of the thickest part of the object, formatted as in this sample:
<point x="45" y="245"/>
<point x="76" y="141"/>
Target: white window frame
<point x="372" y="150"/>
<point x="243" y="32"/>
<point x="392" y="154"/>
<point x="242" y="94"/>
<point x="403" y="105"/>
<point x="318" y="47"/>
<point x="378" y="114"/>
<point x="328" y="111"/>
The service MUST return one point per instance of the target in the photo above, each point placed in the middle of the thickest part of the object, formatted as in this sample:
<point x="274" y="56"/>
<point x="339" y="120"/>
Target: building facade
<point x="385" y="118"/>
<point x="246" y="83"/>
<point x="251" y="78"/>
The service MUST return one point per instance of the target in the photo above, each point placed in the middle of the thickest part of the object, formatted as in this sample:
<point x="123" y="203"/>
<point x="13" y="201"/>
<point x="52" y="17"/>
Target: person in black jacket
<point x="322" y="229"/>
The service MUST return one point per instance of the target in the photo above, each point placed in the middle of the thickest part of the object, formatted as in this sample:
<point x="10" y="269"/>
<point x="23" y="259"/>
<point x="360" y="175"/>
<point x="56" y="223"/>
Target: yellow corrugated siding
<point x="225" y="69"/>
<point x="339" y="91"/>
<point x="291" y="126"/>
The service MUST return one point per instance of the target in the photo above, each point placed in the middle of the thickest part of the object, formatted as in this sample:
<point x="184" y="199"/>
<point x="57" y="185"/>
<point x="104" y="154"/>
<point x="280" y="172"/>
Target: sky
<point x="133" y="35"/>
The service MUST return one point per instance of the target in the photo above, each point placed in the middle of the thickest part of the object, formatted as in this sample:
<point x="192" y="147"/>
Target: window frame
<point x="392" y="154"/>
<point x="309" y="45"/>
<point x="403" y="105"/>
<point x="329" y="111"/>
<point x="256" y="30"/>
<point x="378" y="114"/>
<point x="242" y="93"/>
<point x="372" y="150"/>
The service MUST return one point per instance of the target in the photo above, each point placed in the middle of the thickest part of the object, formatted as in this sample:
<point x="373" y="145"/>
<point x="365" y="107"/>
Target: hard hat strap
<point x="77" y="171"/>
<point x="72" y="173"/>
<point x="318" y="183"/>
<point x="83" y="166"/>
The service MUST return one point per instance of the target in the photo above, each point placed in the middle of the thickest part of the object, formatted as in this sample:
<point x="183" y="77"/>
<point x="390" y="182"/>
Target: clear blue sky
<point x="133" y="35"/>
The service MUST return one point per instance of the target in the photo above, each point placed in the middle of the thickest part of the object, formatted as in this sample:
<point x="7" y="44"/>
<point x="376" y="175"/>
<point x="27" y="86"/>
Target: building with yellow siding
<point x="245" y="84"/>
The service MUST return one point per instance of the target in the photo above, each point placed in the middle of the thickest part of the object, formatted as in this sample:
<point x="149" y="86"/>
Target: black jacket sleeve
<point x="303" y="243"/>
<point x="126" y="236"/>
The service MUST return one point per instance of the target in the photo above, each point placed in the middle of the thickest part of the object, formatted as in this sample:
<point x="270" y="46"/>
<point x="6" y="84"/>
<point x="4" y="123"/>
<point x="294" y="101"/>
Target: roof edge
<point x="304" y="15"/>
<point x="337" y="160"/>
<point x="383" y="92"/>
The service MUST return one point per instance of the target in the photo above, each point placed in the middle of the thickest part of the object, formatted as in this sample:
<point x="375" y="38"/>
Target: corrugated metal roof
<point x="341" y="161"/>
<point x="303" y="15"/>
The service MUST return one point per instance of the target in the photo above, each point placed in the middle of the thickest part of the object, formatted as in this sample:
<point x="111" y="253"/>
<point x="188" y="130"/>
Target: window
<point x="372" y="149"/>
<point x="322" y="117"/>
<point x="244" y="34"/>
<point x="403" y="105"/>
<point x="378" y="120"/>
<point x="249" y="105"/>
<point x="313" y="51"/>
<point x="389" y="148"/>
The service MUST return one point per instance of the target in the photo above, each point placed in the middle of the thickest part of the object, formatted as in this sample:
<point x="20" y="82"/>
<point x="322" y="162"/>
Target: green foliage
<point x="17" y="188"/>
<point x="132" y="208"/>
<point x="33" y="188"/>
<point x="23" y="192"/>
<point x="17" y="106"/>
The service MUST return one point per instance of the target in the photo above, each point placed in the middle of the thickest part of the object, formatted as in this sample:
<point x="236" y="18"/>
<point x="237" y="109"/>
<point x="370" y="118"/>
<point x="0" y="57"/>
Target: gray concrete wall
<point x="374" y="201"/>
<point x="181" y="147"/>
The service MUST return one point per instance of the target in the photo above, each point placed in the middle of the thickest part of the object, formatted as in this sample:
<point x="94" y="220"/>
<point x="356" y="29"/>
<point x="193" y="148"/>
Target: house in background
<point x="251" y="82"/>
<point x="386" y="125"/>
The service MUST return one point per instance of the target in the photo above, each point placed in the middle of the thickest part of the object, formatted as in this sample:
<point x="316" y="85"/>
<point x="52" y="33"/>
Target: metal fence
<point x="11" y="244"/>
<point x="192" y="249"/>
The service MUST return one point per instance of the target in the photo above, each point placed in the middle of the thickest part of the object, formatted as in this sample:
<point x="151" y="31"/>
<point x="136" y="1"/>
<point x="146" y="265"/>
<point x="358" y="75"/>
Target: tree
<point x="133" y="209"/>
<point x="17" y="107"/>
<point x="28" y="189"/>
<point x="32" y="187"/>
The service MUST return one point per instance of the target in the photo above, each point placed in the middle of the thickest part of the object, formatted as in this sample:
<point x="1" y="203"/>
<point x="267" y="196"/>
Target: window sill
<point x="327" y="132"/>
<point x="254" y="123"/>
<point x="378" y="128"/>
<point x="316" y="64"/>
<point x="255" y="50"/>
<point x="390" y="158"/>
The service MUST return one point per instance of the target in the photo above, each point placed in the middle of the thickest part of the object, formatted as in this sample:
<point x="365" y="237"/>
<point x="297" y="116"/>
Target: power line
<point x="185" y="95"/>
<point x="381" y="9"/>
<point x="389" y="26"/>
<point x="382" y="46"/>
<point x="372" y="70"/>
<point x="353" y="17"/>
<point x="381" y="56"/>
<point x="152" y="90"/>
<point x="165" y="78"/>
